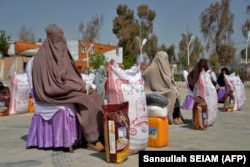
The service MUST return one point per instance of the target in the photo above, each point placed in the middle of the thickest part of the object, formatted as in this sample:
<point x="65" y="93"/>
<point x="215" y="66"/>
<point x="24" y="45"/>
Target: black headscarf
<point x="220" y="79"/>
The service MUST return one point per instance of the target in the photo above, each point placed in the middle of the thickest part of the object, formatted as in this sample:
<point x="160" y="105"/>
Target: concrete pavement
<point x="230" y="132"/>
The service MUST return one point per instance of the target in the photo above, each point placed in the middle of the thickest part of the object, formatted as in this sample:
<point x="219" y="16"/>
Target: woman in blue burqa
<point x="100" y="79"/>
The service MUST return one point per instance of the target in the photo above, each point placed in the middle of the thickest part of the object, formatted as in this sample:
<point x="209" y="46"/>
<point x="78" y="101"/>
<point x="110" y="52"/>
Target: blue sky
<point x="172" y="17"/>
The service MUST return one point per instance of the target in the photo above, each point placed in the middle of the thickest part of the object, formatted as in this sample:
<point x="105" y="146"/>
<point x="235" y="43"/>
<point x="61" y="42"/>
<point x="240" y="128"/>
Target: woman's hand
<point x="90" y="90"/>
<point x="83" y="90"/>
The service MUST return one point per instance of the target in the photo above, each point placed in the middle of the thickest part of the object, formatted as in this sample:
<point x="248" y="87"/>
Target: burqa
<point x="56" y="80"/>
<point x="159" y="78"/>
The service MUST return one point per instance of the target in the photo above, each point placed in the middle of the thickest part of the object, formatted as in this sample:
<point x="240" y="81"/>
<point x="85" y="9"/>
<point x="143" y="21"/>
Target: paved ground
<point x="230" y="132"/>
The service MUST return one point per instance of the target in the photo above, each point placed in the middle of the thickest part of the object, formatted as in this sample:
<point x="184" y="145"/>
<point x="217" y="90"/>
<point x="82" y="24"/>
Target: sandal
<point x="180" y="120"/>
<point x="96" y="146"/>
<point x="176" y="121"/>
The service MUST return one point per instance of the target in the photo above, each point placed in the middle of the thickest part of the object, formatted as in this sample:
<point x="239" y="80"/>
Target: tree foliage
<point x="171" y="54"/>
<point x="96" y="60"/>
<point x="146" y="17"/>
<point x="91" y="30"/>
<point x="246" y="25"/>
<point x="4" y="42"/>
<point x="245" y="29"/>
<point x="170" y="51"/>
<point x="127" y="26"/>
<point x="216" y="24"/>
<point x="128" y="61"/>
<point x="40" y="40"/>
<point x="214" y="60"/>
<point x="125" y="29"/>
<point x="195" y="50"/>
<point x="26" y="34"/>
<point x="152" y="45"/>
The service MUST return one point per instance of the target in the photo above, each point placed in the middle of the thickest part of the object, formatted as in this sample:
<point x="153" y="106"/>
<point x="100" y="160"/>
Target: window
<point x="83" y="46"/>
<point x="92" y="50"/>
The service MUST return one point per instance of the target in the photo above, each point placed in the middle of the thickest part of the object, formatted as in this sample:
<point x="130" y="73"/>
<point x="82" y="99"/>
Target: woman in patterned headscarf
<point x="56" y="80"/>
<point x="159" y="78"/>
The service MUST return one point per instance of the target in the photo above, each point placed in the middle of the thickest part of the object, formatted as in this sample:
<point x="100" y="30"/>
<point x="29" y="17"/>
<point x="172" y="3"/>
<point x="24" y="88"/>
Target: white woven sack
<point x="157" y="111"/>
<point x="235" y="84"/>
<point x="89" y="80"/>
<point x="205" y="89"/>
<point x="19" y="101"/>
<point x="122" y="87"/>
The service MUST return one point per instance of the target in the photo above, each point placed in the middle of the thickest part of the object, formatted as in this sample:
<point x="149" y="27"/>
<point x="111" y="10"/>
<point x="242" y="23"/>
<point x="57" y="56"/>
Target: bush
<point x="178" y="77"/>
<point x="4" y="42"/>
<point x="128" y="61"/>
<point x="96" y="60"/>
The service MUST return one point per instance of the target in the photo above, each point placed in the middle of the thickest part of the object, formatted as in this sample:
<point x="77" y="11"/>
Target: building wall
<point x="116" y="54"/>
<point x="110" y="51"/>
<point x="99" y="48"/>
<point x="17" y="63"/>
<point x="8" y="65"/>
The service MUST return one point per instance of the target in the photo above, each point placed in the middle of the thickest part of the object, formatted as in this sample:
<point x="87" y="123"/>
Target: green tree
<point x="214" y="60"/>
<point x="245" y="30"/>
<point x="4" y="42"/>
<point x="216" y="24"/>
<point x="170" y="51"/>
<point x="144" y="20"/>
<point x="97" y="59"/>
<point x="128" y="61"/>
<point x="243" y="53"/>
<point x="246" y="25"/>
<point x="195" y="50"/>
<point x="171" y="54"/>
<point x="40" y="40"/>
<point x="152" y="45"/>
<point x="127" y="26"/>
<point x="163" y="48"/>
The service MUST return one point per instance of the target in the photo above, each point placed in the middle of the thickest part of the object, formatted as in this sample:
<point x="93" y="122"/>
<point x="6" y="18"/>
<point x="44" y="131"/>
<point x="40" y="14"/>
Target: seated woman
<point x="56" y="80"/>
<point x="201" y="85"/>
<point x="159" y="77"/>
<point x="221" y="82"/>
